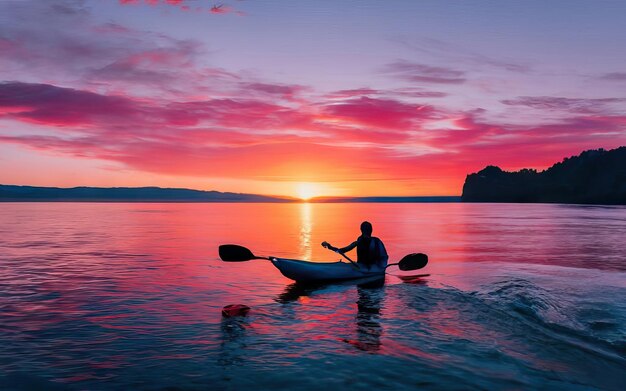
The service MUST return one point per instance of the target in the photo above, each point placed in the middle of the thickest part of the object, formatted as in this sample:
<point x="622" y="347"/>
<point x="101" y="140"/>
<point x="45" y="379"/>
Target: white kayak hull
<point x="304" y="271"/>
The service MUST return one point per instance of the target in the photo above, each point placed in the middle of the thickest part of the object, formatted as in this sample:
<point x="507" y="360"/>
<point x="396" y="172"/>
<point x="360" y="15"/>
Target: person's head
<point x="366" y="228"/>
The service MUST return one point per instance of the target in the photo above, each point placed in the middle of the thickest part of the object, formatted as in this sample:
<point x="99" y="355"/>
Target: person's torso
<point x="368" y="250"/>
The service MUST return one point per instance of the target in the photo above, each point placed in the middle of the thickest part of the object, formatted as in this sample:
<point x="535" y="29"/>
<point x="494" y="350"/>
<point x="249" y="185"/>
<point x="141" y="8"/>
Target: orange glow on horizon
<point x="307" y="190"/>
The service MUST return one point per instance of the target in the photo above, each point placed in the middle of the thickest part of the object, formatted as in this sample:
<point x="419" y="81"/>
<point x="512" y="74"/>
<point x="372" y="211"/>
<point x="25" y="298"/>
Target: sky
<point x="304" y="98"/>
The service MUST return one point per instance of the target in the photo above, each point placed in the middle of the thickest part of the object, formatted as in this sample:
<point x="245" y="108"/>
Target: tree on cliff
<point x="593" y="177"/>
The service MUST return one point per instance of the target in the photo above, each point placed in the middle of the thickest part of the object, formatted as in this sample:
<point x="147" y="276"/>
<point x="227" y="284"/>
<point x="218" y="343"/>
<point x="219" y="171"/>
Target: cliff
<point x="593" y="177"/>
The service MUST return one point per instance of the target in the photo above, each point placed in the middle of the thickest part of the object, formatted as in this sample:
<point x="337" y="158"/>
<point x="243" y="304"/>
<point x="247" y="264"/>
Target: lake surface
<point x="129" y="296"/>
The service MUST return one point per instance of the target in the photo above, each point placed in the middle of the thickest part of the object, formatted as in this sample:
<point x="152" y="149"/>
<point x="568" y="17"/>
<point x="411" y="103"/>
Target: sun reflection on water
<point x="306" y="226"/>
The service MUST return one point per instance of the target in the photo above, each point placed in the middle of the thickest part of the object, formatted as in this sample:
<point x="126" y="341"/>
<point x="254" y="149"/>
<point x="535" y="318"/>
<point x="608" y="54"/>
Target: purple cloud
<point x="104" y="55"/>
<point x="58" y="106"/>
<point x="572" y="105"/>
<point x="614" y="76"/>
<point x="415" y="72"/>
<point x="398" y="92"/>
<point x="187" y="5"/>
<point x="459" y="55"/>
<point x="284" y="91"/>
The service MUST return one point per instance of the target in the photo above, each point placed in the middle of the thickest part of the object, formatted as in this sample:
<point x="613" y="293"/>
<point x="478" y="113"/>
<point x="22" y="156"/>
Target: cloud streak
<point x="572" y="105"/>
<point x="614" y="76"/>
<point x="186" y="5"/>
<point x="459" y="55"/>
<point x="421" y="73"/>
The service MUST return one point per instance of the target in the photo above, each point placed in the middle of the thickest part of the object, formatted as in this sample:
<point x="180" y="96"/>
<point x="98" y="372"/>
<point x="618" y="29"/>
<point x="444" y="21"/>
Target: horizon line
<point x="278" y="196"/>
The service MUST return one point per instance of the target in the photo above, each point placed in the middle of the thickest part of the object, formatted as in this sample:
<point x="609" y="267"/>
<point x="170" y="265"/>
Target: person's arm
<point x="348" y="247"/>
<point x="341" y="250"/>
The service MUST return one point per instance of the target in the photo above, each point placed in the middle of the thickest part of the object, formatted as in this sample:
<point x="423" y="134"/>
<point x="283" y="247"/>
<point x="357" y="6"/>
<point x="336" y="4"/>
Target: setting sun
<point x="307" y="190"/>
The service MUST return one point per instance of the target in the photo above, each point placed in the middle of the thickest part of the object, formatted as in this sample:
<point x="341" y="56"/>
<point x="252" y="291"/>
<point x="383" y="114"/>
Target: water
<point x="128" y="296"/>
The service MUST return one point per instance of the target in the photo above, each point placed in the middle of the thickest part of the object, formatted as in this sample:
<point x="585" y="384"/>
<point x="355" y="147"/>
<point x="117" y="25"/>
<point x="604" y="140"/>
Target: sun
<point x="306" y="190"/>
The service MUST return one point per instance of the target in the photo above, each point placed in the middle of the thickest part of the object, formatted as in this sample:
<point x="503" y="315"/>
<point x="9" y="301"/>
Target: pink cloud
<point x="252" y="160"/>
<point x="356" y="139"/>
<point x="513" y="147"/>
<point x="383" y="113"/>
<point x="133" y="131"/>
<point x="220" y="9"/>
<point x="58" y="106"/>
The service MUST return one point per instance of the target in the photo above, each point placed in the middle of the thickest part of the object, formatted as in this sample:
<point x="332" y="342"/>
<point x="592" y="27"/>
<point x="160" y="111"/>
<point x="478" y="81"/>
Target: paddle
<point x="411" y="262"/>
<point x="236" y="253"/>
<point x="326" y="245"/>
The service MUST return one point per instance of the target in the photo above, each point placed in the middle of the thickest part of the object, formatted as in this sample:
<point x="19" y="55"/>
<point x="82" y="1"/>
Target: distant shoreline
<point x="96" y="201"/>
<point x="13" y="193"/>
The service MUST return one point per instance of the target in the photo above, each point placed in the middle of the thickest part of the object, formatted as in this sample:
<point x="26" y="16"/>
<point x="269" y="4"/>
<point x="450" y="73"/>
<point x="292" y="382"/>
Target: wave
<point x="587" y="325"/>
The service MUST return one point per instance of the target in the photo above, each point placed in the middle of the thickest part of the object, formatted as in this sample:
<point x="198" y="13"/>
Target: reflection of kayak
<point x="296" y="290"/>
<point x="304" y="271"/>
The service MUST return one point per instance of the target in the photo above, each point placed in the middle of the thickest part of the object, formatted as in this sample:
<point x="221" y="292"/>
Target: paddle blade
<point x="413" y="262"/>
<point x="235" y="253"/>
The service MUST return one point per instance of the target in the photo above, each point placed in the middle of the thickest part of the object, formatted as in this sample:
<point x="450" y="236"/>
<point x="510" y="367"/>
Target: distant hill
<point x="126" y="194"/>
<point x="593" y="177"/>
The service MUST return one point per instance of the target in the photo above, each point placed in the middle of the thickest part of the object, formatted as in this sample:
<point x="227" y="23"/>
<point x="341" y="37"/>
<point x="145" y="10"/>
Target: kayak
<point x="304" y="271"/>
